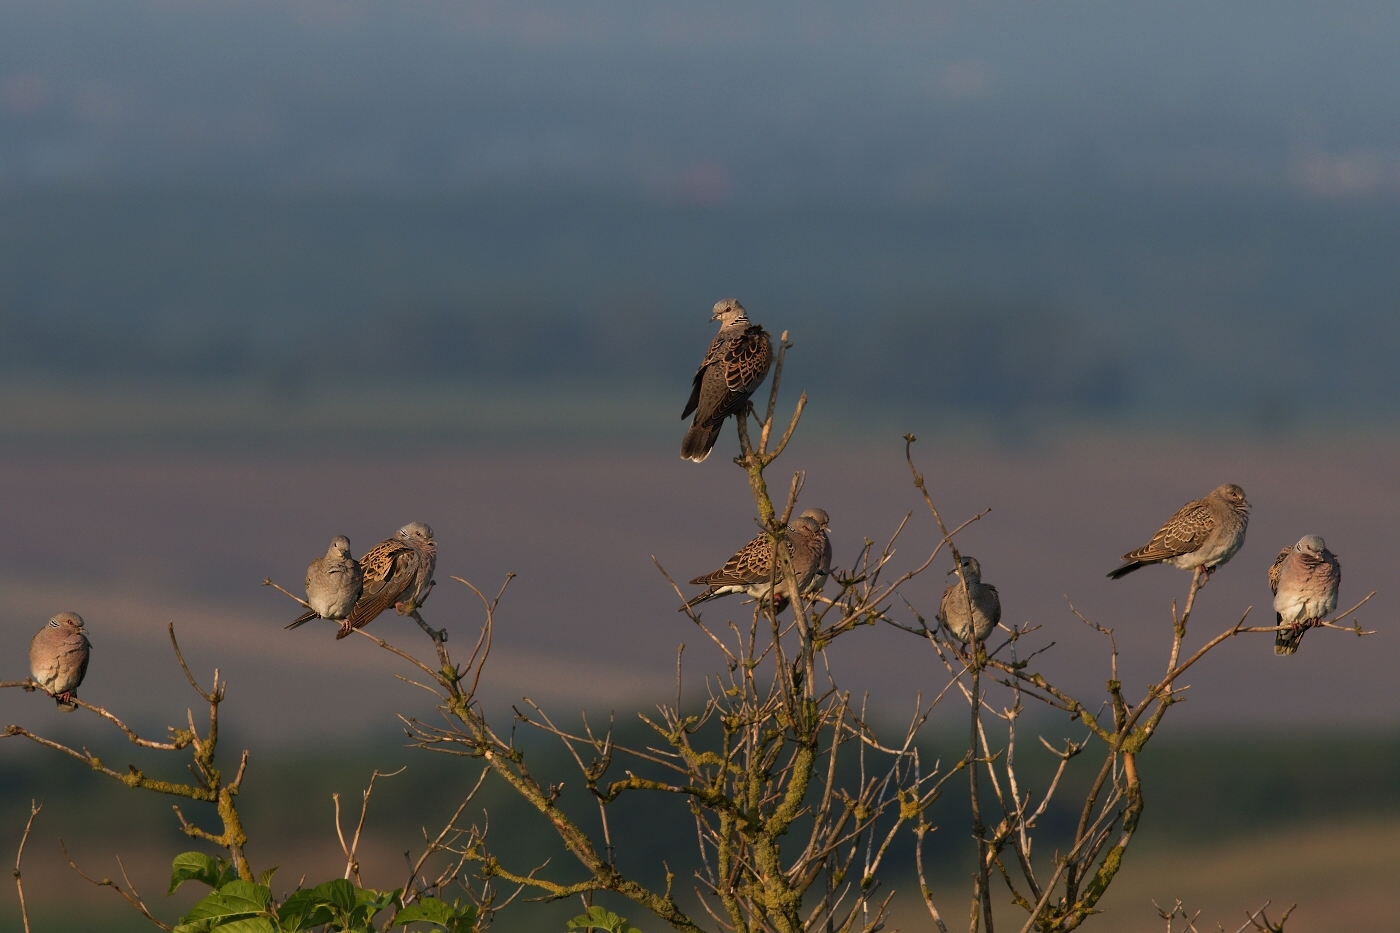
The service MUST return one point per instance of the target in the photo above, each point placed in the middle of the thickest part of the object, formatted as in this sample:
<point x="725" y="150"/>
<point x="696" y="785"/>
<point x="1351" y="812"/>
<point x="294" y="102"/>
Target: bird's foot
<point x="345" y="629"/>
<point x="64" y="697"/>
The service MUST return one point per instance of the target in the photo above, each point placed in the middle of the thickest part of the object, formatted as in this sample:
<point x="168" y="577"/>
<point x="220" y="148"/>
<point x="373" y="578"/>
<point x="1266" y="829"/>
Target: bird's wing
<point x="389" y="570"/>
<point x="745" y="362"/>
<point x="946" y="606"/>
<point x="753" y="564"/>
<point x="378" y="562"/>
<point x="712" y="356"/>
<point x="995" y="613"/>
<point x="1183" y="533"/>
<point x="1277" y="568"/>
<point x="85" y="655"/>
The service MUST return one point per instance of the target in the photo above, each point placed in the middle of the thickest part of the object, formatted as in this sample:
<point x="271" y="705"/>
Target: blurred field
<point x="1341" y="877"/>
<point x="134" y="538"/>
<point x="1232" y="820"/>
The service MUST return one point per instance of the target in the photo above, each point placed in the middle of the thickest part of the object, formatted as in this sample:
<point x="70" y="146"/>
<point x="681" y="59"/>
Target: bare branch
<point x="131" y="898"/>
<point x="34" y="809"/>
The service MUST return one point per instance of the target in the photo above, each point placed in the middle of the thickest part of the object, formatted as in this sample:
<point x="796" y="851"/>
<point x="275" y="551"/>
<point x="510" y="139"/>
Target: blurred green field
<point x="1232" y="820"/>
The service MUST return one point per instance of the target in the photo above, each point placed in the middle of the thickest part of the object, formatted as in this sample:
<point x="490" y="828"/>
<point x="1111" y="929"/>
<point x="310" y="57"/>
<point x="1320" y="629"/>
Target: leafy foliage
<point x="235" y="906"/>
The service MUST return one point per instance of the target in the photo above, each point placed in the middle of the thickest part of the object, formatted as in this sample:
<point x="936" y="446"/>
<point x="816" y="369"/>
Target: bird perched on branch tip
<point x="1203" y="533"/>
<point x="733" y="367"/>
<point x="1304" y="579"/>
<point x="58" y="658"/>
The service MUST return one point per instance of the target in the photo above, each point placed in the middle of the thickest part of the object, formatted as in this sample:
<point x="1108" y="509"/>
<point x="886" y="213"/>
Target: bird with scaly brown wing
<point x="752" y="570"/>
<point x="1203" y="533"/>
<point x="733" y="367"/>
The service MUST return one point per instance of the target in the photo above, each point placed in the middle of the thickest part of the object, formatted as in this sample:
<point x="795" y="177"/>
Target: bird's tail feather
<point x="302" y="619"/>
<point x="1287" y="641"/>
<point x="692" y="603"/>
<point x="1128" y="568"/>
<point x="698" y="443"/>
<point x="65" y="707"/>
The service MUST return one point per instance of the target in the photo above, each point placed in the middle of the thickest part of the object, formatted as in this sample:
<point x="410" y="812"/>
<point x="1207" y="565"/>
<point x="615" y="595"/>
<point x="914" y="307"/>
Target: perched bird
<point x="398" y="573"/>
<point x="333" y="584"/>
<point x="1305" y="579"/>
<point x="953" y="610"/>
<point x="824" y="562"/>
<point x="58" y="658"/>
<point x="1204" y="533"/>
<point x="733" y="367"/>
<point x="753" y="570"/>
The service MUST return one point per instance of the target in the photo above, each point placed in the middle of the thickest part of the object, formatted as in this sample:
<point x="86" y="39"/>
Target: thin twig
<point x="267" y="581"/>
<point x="34" y="809"/>
<point x="352" y="865"/>
<point x="133" y="898"/>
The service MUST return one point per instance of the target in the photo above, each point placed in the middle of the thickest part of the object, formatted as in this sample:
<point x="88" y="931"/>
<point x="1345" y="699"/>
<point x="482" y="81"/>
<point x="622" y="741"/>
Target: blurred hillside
<point x="1219" y="808"/>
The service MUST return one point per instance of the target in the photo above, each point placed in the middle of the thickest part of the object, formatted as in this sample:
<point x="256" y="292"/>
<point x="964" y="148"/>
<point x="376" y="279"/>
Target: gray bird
<point x="1305" y="579"/>
<point x="1205" y="533"/>
<point x="58" y="658"/>
<point x="733" y="367"/>
<point x="985" y="605"/>
<point x="752" y="570"/>
<point x="333" y="584"/>
<point x="398" y="574"/>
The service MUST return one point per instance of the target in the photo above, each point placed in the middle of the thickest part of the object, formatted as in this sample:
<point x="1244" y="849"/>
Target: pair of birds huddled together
<point x="396" y="573"/>
<point x="1204" y="533"/>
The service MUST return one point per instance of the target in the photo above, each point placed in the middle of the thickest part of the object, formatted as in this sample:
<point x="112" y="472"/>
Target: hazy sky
<point x="706" y="102"/>
<point x="1172" y="212"/>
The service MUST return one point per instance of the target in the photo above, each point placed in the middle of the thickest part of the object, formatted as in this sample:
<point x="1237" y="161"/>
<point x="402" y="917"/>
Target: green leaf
<point x="339" y="894"/>
<point x="432" y="910"/>
<point x="600" y="918"/>
<point x="303" y="910"/>
<point x="374" y="901"/>
<point x="247" y="925"/>
<point x="199" y="926"/>
<point x="193" y="866"/>
<point x="235" y="899"/>
<point x="265" y="877"/>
